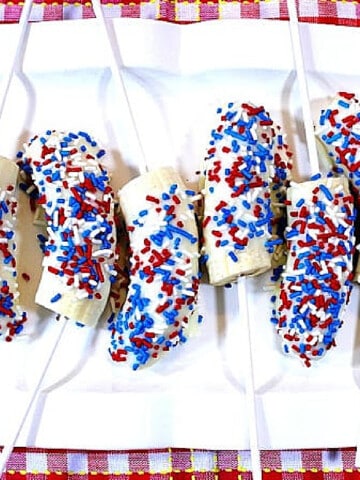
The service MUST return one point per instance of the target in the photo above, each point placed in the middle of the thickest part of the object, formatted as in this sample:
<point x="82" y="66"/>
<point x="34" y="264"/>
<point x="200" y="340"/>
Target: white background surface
<point x="176" y="77"/>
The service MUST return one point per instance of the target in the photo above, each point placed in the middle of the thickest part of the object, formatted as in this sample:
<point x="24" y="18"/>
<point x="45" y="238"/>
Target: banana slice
<point x="12" y="318"/>
<point x="73" y="188"/>
<point x="338" y="136"/>
<point x="160" y="308"/>
<point x="338" y="140"/>
<point x="246" y="174"/>
<point x="316" y="284"/>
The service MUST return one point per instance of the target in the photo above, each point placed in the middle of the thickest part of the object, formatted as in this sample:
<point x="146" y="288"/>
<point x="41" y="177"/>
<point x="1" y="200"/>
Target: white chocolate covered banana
<point x="338" y="137"/>
<point x="316" y="284"/>
<point x="246" y="174"/>
<point x="164" y="271"/>
<point x="12" y="318"/>
<point x="73" y="188"/>
<point x="338" y="140"/>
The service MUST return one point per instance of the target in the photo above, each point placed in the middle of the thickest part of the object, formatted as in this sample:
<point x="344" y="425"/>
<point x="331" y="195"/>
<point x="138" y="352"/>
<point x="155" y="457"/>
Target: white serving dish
<point x="176" y="76"/>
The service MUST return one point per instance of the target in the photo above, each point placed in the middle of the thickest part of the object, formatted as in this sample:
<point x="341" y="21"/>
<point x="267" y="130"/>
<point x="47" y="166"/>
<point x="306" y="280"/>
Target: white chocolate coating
<point x="164" y="271"/>
<point x="73" y="188"/>
<point x="245" y="172"/>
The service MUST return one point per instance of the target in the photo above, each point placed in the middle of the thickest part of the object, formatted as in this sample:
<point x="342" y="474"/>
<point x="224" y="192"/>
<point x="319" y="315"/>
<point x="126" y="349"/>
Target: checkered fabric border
<point x="339" y="12"/>
<point x="180" y="464"/>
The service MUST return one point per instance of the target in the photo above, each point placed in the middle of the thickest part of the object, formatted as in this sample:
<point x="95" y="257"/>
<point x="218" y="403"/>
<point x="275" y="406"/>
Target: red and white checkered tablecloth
<point x="184" y="464"/>
<point x="341" y="12"/>
<point x="173" y="464"/>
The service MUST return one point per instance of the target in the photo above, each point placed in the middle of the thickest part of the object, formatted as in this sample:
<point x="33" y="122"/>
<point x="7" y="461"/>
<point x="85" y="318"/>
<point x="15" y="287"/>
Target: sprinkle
<point x="55" y="298"/>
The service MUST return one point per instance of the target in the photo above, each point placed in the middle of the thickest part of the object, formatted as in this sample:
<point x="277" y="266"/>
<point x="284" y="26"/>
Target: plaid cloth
<point x="181" y="465"/>
<point x="186" y="464"/>
<point x="341" y="12"/>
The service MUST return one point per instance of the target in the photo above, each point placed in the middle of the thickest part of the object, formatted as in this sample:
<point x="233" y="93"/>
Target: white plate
<point x="176" y="76"/>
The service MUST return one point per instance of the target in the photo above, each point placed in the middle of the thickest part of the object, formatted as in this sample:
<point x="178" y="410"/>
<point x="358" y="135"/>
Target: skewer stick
<point x="303" y="87"/>
<point x="116" y="65"/>
<point x="20" y="42"/>
<point x="249" y="382"/>
<point x="11" y="441"/>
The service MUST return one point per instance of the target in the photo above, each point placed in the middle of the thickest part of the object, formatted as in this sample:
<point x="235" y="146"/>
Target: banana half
<point x="338" y="139"/>
<point x="316" y="284"/>
<point x="12" y="318"/>
<point x="160" y="309"/>
<point x="245" y="176"/>
<point x="78" y="202"/>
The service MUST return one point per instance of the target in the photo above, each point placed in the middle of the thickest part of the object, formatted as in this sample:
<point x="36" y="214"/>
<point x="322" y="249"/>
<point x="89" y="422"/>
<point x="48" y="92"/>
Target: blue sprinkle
<point x="326" y="192"/>
<point x="317" y="176"/>
<point x="344" y="104"/>
<point x="55" y="298"/>
<point x="233" y="257"/>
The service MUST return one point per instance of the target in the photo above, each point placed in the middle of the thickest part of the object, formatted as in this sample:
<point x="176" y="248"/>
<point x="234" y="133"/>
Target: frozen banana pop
<point x="316" y="284"/>
<point x="245" y="176"/>
<point x="78" y="202"/>
<point x="161" y="304"/>
<point x="338" y="141"/>
<point x="12" y="318"/>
